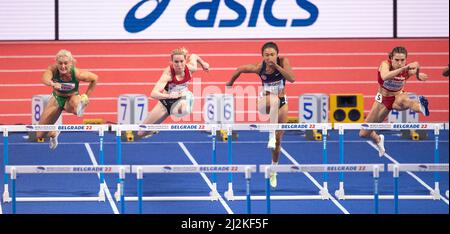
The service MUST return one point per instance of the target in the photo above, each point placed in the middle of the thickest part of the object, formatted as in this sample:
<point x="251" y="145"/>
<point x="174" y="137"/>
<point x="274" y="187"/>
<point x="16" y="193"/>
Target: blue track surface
<point x="167" y="148"/>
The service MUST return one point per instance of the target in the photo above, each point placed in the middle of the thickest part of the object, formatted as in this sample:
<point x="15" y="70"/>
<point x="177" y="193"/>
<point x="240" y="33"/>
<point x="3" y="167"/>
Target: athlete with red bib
<point x="172" y="89"/>
<point x="392" y="76"/>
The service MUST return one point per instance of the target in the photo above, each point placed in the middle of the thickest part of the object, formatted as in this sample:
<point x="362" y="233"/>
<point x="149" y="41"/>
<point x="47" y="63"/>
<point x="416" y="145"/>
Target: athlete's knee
<point x="40" y="134"/>
<point x="364" y="133"/>
<point x="182" y="110"/>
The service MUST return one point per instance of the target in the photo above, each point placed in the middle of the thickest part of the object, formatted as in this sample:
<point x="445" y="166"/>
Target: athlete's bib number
<point x="379" y="98"/>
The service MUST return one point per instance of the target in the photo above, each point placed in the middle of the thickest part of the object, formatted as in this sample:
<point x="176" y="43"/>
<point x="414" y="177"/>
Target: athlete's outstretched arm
<point x="388" y="75"/>
<point x="249" y="68"/>
<point x="286" y="70"/>
<point x="414" y="70"/>
<point x="48" y="76"/>
<point x="193" y="60"/>
<point x="87" y="76"/>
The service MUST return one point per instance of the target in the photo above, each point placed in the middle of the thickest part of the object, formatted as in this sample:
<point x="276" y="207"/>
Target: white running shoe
<point x="272" y="143"/>
<point x="53" y="142"/>
<point x="273" y="180"/>
<point x="380" y="146"/>
<point x="82" y="105"/>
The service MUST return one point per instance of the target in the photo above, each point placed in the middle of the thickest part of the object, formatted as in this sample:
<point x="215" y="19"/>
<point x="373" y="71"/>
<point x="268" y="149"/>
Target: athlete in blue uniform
<point x="273" y="72"/>
<point x="64" y="78"/>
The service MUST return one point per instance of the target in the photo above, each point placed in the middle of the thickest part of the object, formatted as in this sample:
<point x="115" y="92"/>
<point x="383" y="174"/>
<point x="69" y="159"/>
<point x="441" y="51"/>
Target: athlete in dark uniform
<point x="273" y="72"/>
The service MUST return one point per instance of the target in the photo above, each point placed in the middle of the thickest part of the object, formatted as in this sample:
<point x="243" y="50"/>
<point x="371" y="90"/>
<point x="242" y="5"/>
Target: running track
<point x="321" y="66"/>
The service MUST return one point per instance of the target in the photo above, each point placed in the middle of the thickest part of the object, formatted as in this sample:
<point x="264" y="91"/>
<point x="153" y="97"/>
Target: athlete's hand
<point x="423" y="76"/>
<point x="413" y="66"/>
<point x="272" y="64"/>
<point x="229" y="84"/>
<point x="205" y="66"/>
<point x="56" y="86"/>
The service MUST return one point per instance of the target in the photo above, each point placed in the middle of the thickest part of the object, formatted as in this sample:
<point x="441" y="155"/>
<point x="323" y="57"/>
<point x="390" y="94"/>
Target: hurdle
<point x="142" y="169"/>
<point x="324" y="127"/>
<point x="434" y="193"/>
<point x="397" y="168"/>
<point x="45" y="128"/>
<point x="358" y="168"/>
<point x="13" y="170"/>
<point x="213" y="195"/>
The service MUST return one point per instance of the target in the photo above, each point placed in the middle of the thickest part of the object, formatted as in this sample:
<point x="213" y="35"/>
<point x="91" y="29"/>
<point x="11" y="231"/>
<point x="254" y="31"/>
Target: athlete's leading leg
<point x="50" y="115"/>
<point x="269" y="104"/>
<point x="283" y="118"/>
<point x="156" y="116"/>
<point x="377" y="115"/>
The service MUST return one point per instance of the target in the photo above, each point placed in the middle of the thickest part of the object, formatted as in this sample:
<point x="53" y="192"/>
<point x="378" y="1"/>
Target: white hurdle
<point x="6" y="129"/>
<point x="374" y="168"/>
<point x="13" y="170"/>
<point x="213" y="195"/>
<point x="324" y="127"/>
<point x="434" y="194"/>
<point x="397" y="168"/>
<point x="143" y="169"/>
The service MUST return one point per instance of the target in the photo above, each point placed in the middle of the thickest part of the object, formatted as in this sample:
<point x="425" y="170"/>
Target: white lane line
<point x="189" y="155"/>
<point x="443" y="198"/>
<point x="342" y="208"/>
<point x="108" y="193"/>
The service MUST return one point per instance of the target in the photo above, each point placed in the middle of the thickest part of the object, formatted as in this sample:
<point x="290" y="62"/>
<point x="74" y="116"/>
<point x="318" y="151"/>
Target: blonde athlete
<point x="64" y="78"/>
<point x="273" y="72"/>
<point x="172" y="88"/>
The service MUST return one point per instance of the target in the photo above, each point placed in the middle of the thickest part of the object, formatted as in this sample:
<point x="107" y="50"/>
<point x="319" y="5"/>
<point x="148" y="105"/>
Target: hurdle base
<point x="214" y="195"/>
<point x="280" y="197"/>
<point x="56" y="199"/>
<point x="324" y="194"/>
<point x="6" y="197"/>
<point x="340" y="194"/>
<point x="173" y="198"/>
<point x="101" y="193"/>
<point x="436" y="194"/>
<point x="229" y="195"/>
<point x="388" y="197"/>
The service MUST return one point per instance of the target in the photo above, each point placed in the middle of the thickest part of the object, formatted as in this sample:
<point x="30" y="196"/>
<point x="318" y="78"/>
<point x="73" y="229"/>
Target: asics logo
<point x="134" y="25"/>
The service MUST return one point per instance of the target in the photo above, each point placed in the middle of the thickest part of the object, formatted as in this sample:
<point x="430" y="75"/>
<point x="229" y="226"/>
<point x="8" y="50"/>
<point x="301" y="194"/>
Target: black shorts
<point x="282" y="102"/>
<point x="167" y="103"/>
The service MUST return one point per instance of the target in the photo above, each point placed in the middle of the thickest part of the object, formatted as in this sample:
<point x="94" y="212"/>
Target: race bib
<point x="274" y="87"/>
<point x="67" y="86"/>
<point x="379" y="98"/>
<point x="178" y="88"/>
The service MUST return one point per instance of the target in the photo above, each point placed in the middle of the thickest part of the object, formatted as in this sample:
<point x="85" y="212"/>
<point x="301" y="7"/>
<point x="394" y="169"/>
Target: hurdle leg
<point x="267" y="177"/>
<point x="229" y="193"/>
<point x="436" y="194"/>
<point x="119" y="160"/>
<point x="13" y="185"/>
<point x="247" y="179"/>
<point x="340" y="193"/>
<point x="101" y="193"/>
<point x="376" y="176"/>
<point x="122" y="190"/>
<point x="396" y="175"/>
<point x="140" y="177"/>
<point x="6" y="197"/>
<point x="324" y="191"/>
<point x="214" y="194"/>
